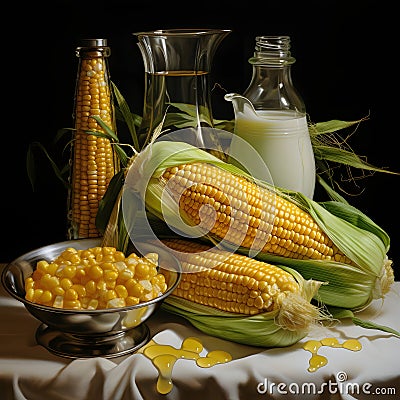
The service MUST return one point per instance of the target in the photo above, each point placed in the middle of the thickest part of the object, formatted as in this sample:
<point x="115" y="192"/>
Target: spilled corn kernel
<point x="95" y="278"/>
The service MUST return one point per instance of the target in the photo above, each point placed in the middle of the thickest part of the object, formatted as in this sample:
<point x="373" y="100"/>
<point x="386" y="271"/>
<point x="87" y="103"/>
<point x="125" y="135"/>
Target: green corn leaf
<point x="340" y="313"/>
<point x="128" y="117"/>
<point x="112" y="137"/>
<point x="108" y="201"/>
<point x="329" y="148"/>
<point x="357" y="218"/>
<point x="189" y="109"/>
<point x="323" y="128"/>
<point x="108" y="132"/>
<point x="345" y="157"/>
<point x="347" y="286"/>
<point x="31" y="167"/>
<point x="179" y="120"/>
<point x="333" y="195"/>
<point x="136" y="119"/>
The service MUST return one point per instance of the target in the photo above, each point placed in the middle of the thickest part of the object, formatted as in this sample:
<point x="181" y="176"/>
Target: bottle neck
<point x="271" y="86"/>
<point x="92" y="52"/>
<point x="93" y="48"/>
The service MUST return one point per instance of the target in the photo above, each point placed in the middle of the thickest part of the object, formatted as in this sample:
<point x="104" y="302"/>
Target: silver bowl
<point x="107" y="333"/>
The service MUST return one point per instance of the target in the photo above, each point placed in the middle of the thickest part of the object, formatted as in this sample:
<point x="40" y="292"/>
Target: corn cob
<point x="237" y="298"/>
<point x="228" y="281"/>
<point x="94" y="162"/>
<point x="245" y="214"/>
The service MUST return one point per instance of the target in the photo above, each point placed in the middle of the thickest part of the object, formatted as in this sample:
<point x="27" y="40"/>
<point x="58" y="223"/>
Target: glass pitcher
<point x="177" y="100"/>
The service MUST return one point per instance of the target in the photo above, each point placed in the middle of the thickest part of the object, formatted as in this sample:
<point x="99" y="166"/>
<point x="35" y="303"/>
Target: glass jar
<point x="177" y="101"/>
<point x="271" y="117"/>
<point x="93" y="161"/>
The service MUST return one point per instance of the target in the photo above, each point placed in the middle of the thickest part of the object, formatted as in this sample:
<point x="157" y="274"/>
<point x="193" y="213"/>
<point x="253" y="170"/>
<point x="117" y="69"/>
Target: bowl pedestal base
<point x="85" y="346"/>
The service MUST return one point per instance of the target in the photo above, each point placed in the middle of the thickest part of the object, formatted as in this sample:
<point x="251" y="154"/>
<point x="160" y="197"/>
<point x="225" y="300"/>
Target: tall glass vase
<point x="177" y="100"/>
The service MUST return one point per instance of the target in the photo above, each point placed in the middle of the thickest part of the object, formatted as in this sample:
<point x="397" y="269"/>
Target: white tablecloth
<point x="29" y="371"/>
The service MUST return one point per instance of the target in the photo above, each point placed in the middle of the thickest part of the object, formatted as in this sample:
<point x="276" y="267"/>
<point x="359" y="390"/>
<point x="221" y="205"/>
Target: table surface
<point x="30" y="371"/>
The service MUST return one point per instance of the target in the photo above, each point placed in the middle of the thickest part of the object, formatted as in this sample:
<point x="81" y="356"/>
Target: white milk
<point x="282" y="140"/>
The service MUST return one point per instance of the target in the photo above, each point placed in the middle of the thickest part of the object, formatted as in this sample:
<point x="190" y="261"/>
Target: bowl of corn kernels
<point x="92" y="300"/>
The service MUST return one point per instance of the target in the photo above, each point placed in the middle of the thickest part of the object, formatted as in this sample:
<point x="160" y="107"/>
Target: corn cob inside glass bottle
<point x="93" y="159"/>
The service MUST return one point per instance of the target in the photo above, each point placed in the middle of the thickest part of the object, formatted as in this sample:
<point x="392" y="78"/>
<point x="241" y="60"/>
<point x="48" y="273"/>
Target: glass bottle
<point x="271" y="116"/>
<point x="93" y="161"/>
<point x="177" y="101"/>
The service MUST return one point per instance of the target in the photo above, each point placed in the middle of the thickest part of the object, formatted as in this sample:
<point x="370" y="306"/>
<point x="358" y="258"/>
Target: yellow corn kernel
<point x="132" y="257"/>
<point x="108" y="265"/>
<point x="124" y="276"/>
<point x="121" y="291"/>
<point x="70" y="255"/>
<point x="80" y="273"/>
<point x="110" y="275"/>
<point x="93" y="304"/>
<point x="119" y="256"/>
<point x="91" y="287"/>
<point x="29" y="283"/>
<point x="49" y="282"/>
<point x="46" y="297"/>
<point x="37" y="294"/>
<point x="159" y="281"/>
<point x="86" y="254"/>
<point x="66" y="283"/>
<point x="72" y="304"/>
<point x="30" y="294"/>
<point x="42" y="266"/>
<point x="52" y="268"/>
<point x="109" y="295"/>
<point x="79" y="289"/>
<point x="95" y="272"/>
<point x="136" y="290"/>
<point x="108" y="250"/>
<point x="142" y="270"/>
<point x="132" y="301"/>
<point x="66" y="271"/>
<point x="58" y="291"/>
<point x="71" y="295"/>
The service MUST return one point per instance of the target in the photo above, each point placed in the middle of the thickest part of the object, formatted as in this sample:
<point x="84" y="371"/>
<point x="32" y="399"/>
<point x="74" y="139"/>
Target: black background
<point x="345" y="69"/>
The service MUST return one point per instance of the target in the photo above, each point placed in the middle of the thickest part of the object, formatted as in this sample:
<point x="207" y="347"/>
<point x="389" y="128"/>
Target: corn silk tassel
<point x="330" y="242"/>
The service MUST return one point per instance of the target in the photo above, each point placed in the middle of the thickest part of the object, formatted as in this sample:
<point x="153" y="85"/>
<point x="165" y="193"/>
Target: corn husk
<point x="348" y="287"/>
